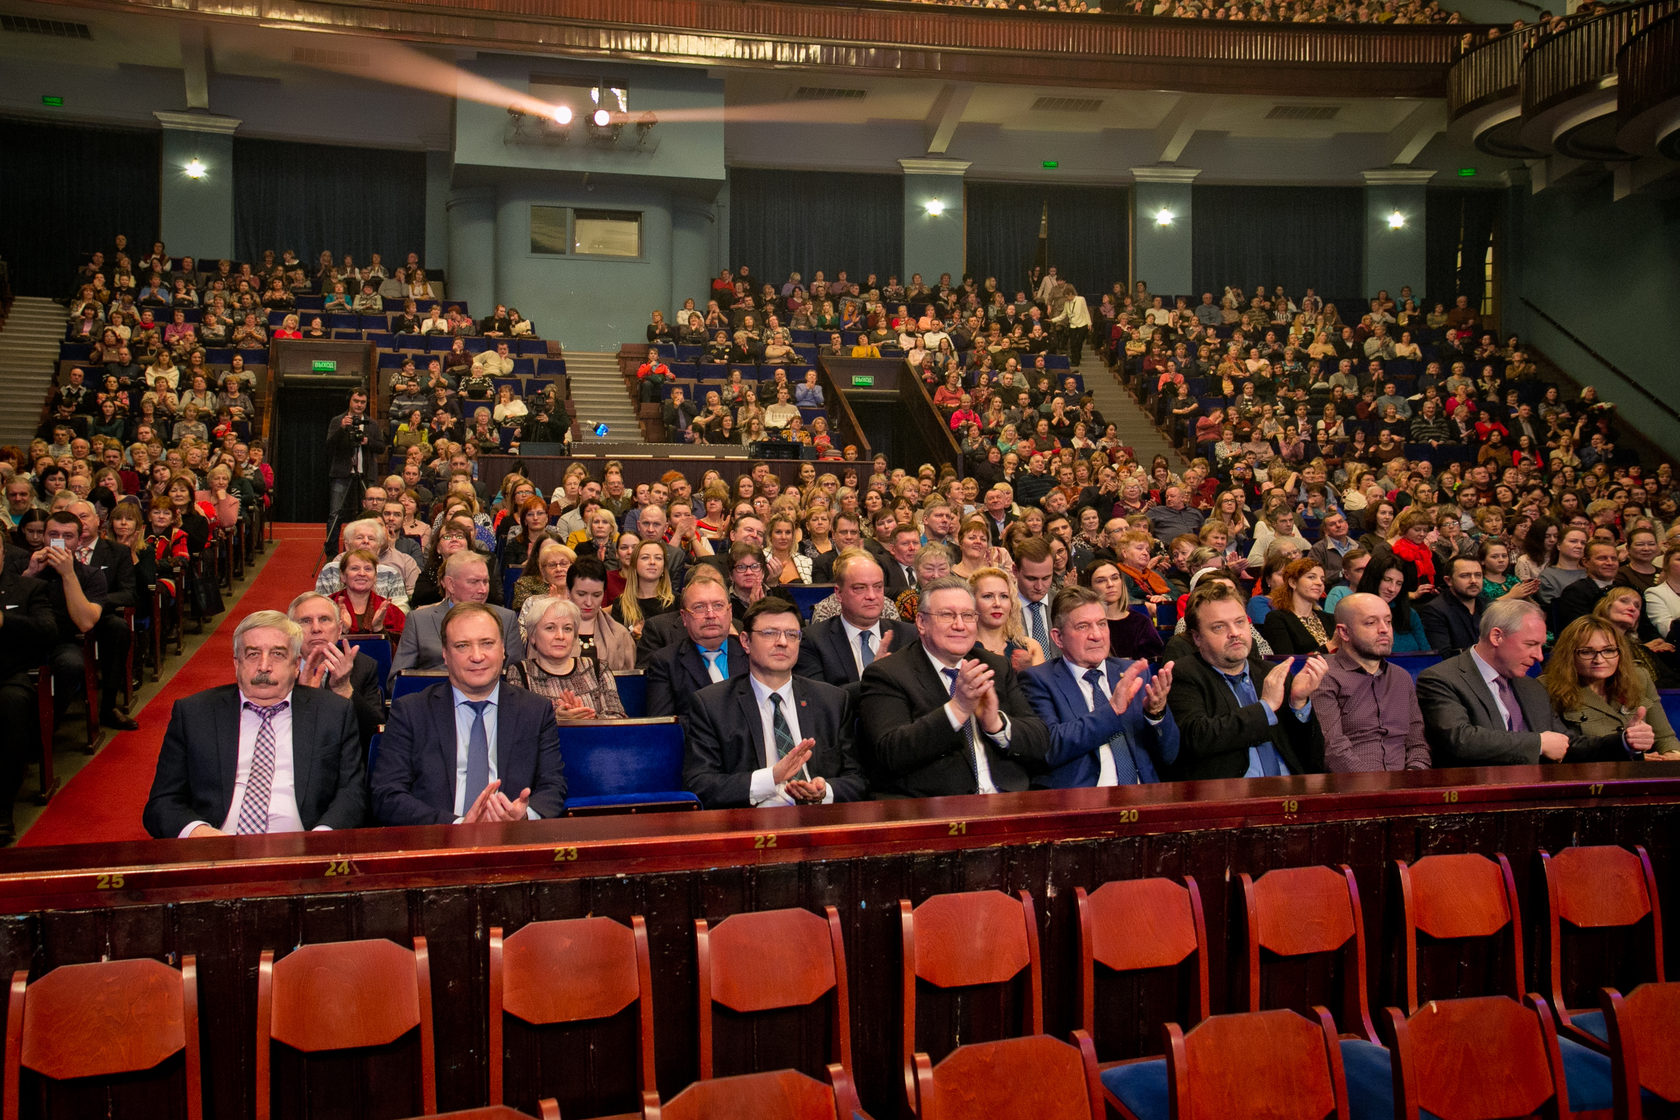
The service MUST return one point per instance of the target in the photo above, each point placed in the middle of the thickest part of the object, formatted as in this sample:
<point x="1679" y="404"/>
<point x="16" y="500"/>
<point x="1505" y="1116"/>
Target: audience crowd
<point x="1364" y="503"/>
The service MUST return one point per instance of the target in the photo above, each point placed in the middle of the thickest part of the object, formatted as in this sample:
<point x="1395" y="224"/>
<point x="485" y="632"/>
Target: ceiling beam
<point x="942" y="120"/>
<point x="1174" y="132"/>
<point x="195" y="65"/>
<point x="1407" y="139"/>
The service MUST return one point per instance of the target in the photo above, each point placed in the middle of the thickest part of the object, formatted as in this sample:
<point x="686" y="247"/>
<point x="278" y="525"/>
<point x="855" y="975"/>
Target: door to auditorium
<point x="301" y="415"/>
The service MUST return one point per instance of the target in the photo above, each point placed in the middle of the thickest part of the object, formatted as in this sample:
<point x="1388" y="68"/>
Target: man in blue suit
<point x="471" y="749"/>
<point x="1108" y="717"/>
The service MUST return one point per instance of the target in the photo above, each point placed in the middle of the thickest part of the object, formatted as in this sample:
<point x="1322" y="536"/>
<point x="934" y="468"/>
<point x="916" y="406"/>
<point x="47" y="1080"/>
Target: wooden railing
<point x="1647" y="73"/>
<point x="1583" y="54"/>
<point x="939" y="445"/>
<point x="956" y="43"/>
<point x="1486" y="74"/>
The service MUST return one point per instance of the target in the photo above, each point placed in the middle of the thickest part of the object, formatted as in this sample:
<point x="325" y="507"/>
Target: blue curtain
<point x="1460" y="226"/>
<point x="314" y="197"/>
<point x="1087" y="239"/>
<point x="66" y="191"/>
<point x="1300" y="237"/>
<point x="803" y="221"/>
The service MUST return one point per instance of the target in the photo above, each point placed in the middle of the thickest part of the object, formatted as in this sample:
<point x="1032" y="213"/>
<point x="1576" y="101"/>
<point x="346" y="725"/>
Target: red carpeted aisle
<point x="104" y="800"/>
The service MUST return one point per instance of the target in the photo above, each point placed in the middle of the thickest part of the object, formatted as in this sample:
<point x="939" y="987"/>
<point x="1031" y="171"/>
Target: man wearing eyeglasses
<point x="705" y="654"/>
<point x="768" y="737"/>
<point x="943" y="716"/>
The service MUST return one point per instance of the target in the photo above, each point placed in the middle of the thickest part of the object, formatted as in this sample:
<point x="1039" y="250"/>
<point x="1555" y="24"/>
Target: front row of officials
<point x="283" y="748"/>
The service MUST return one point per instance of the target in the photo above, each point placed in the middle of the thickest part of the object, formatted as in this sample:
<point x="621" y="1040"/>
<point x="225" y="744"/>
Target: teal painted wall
<point x="933" y="243"/>
<point x="196" y="215"/>
<point x="1608" y="271"/>
<point x="1161" y="254"/>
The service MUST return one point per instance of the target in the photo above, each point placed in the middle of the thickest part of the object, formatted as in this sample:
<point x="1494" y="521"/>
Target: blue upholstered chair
<point x="624" y="766"/>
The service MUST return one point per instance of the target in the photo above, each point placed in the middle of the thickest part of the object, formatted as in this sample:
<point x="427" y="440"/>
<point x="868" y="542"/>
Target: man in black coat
<point x="768" y="737"/>
<point x="27" y="634"/>
<point x="839" y="649"/>
<point x="1237" y="715"/>
<point x="355" y="445"/>
<point x="681" y="669"/>
<point x="943" y="716"/>
<point x="263" y="737"/>
<point x="115" y="565"/>
<point x="329" y="662"/>
<point x="1452" y="618"/>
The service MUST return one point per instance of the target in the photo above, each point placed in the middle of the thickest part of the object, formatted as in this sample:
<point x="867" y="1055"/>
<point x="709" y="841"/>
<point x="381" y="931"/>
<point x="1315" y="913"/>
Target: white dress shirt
<point x="982" y="768"/>
<point x="764" y="789"/>
<point x="852" y="633"/>
<point x="463" y="735"/>
<point x="1107" y="775"/>
<point x="283" y="813"/>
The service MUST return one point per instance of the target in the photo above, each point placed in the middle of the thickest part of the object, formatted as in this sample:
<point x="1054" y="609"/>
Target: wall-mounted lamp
<point x="935" y="207"/>
<point x="1397" y="220"/>
<point x="195" y="168"/>
<point x="1163" y="217"/>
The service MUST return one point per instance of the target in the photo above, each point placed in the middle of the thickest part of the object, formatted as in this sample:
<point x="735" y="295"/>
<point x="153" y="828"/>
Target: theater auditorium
<point x="759" y="558"/>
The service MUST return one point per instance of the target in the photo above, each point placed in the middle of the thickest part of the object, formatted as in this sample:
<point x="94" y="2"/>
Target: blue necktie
<point x="1125" y="770"/>
<point x="865" y="653"/>
<point x="1270" y="764"/>
<point x="1038" y="632"/>
<point x="478" y="753"/>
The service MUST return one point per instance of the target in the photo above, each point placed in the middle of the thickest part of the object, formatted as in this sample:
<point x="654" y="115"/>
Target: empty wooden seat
<point x="1599" y="888"/>
<point x="1031" y="1078"/>
<point x="344" y="995"/>
<point x="100" y="1020"/>
<point x="1644" y="1060"/>
<point x="1482" y="1058"/>
<point x="1276" y="1064"/>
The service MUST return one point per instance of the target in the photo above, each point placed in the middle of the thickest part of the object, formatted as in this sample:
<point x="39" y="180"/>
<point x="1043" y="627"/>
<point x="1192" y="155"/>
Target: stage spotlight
<point x="561" y="115"/>
<point x="601" y="118"/>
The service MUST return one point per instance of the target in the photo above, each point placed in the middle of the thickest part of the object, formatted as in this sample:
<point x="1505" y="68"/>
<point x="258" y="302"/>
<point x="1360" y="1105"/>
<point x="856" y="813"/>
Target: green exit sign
<point x="863" y="380"/>
<point x="51" y="101"/>
<point x="1051" y="164"/>
<point x="323" y="365"/>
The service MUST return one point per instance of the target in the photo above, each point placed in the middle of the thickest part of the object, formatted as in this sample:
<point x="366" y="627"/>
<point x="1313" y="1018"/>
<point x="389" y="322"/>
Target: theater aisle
<point x="104" y="799"/>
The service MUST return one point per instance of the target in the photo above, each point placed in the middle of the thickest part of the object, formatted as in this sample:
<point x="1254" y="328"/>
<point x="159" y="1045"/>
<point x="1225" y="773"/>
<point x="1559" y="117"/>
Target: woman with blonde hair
<point x="544" y="574"/>
<point x="577" y="686"/>
<point x="647" y="588"/>
<point x="1000" y="629"/>
<point x="1608" y="702"/>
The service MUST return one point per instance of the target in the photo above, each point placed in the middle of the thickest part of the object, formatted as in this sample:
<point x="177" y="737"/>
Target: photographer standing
<point x="355" y="444"/>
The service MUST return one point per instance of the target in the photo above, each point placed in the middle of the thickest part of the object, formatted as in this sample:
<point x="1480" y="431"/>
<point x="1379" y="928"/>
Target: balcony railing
<point x="1646" y="70"/>
<point x="1488" y="73"/>
<point x="1582" y="55"/>
<point x="988" y="45"/>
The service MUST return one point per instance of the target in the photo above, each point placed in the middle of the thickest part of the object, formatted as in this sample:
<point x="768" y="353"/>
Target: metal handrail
<point x="1633" y="383"/>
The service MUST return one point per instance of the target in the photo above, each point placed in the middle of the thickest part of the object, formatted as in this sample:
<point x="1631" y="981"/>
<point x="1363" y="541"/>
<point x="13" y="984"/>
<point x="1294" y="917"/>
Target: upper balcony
<point x="987" y="45"/>
<point x="1564" y="92"/>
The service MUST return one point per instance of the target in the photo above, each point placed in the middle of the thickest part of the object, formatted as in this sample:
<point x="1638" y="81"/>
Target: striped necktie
<point x="259" y="785"/>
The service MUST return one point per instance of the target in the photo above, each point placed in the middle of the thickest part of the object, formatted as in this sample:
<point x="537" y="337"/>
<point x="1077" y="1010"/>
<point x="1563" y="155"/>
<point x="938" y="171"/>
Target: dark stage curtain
<point x="805" y="221"/>
<point x="1460" y="222"/>
<point x="1087" y="233"/>
<point x="1300" y="237"/>
<point x="314" y="197"/>
<point x="66" y="191"/>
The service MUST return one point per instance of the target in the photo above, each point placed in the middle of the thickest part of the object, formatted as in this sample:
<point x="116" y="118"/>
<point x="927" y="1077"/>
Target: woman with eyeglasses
<point x="1601" y="693"/>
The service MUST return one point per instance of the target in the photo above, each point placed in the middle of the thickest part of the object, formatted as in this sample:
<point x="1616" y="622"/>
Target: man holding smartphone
<point x="74" y="590"/>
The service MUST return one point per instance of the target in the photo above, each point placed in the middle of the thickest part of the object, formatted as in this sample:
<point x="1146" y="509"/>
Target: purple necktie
<point x="1508" y="696"/>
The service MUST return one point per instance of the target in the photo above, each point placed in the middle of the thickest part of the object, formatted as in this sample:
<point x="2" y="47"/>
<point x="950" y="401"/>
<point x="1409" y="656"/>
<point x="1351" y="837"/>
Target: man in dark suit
<point x="455" y="752"/>
<point x="846" y="533"/>
<point x="768" y="737"/>
<point x="899" y="564"/>
<point x="1450" y="619"/>
<point x="1239" y="717"/>
<point x="1482" y="709"/>
<point x="27" y="634"/>
<point x="115" y="565"/>
<point x="839" y="649"/>
<point x="998" y="514"/>
<point x="943" y="716"/>
<point x="355" y="445"/>
<point x="1580" y="597"/>
<point x="262" y="755"/>
<point x="465" y="579"/>
<point x="330" y="662"/>
<point x="1107" y="716"/>
<point x="704" y="652"/>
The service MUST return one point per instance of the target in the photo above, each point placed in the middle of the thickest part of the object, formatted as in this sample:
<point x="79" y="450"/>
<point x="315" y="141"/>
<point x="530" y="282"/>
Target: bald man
<point x="1367" y="707"/>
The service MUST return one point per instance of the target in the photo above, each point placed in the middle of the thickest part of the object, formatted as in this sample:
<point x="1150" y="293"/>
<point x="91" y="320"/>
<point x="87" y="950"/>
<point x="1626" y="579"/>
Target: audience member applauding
<point x="329" y="661"/>
<point x="768" y="737"/>
<point x="361" y="609"/>
<point x="1107" y="716"/>
<point x="942" y="715"/>
<point x="261" y="755"/>
<point x="577" y="686"/>
<point x="470" y="749"/>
